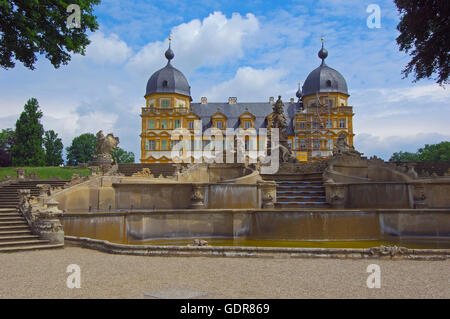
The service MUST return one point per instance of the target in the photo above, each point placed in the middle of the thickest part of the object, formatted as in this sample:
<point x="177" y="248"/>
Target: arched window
<point x="164" y="84"/>
<point x="328" y="83"/>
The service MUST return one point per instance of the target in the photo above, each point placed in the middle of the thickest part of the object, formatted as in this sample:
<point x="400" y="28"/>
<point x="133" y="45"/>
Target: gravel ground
<point x="42" y="274"/>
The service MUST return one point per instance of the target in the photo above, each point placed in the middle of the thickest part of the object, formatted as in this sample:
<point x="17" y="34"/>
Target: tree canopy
<point x="53" y="149"/>
<point x="31" y="27"/>
<point x="121" y="156"/>
<point x="424" y="32"/>
<point x="28" y="150"/>
<point x="82" y="149"/>
<point x="430" y="153"/>
<point x="7" y="140"/>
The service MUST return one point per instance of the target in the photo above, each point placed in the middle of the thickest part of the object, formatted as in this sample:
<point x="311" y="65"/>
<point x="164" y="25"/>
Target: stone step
<point x="7" y="210"/>
<point x="23" y="242"/>
<point x="15" y="232"/>
<point x="18" y="237"/>
<point x="301" y="199"/>
<point x="8" y="205"/>
<point x="300" y="192"/>
<point x="30" y="247"/>
<point x="16" y="214"/>
<point x="17" y="227"/>
<point x="11" y="218"/>
<point x="12" y="222"/>
<point x="302" y="205"/>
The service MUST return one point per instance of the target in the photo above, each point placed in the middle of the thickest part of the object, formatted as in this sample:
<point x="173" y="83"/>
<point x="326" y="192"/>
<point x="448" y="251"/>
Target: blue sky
<point x="249" y="49"/>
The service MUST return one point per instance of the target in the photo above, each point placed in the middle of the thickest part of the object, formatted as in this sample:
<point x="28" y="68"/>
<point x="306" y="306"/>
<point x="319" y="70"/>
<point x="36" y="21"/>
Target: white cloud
<point x="107" y="49"/>
<point x="200" y="43"/>
<point x="249" y="84"/>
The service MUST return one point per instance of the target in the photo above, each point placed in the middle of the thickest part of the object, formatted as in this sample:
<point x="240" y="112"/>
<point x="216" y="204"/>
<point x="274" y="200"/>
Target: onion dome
<point x="324" y="78"/>
<point x="168" y="79"/>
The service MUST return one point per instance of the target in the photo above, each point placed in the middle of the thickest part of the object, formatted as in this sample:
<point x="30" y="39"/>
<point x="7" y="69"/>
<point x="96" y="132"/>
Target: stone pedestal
<point x="21" y="173"/>
<point x="48" y="226"/>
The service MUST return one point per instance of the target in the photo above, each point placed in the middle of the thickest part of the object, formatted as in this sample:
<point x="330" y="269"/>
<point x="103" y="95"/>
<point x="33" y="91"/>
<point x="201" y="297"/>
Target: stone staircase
<point x="15" y="233"/>
<point x="299" y="191"/>
<point x="9" y="194"/>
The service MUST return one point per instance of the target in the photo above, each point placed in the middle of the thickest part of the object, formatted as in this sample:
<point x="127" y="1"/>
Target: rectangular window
<point x="163" y="124"/>
<point x="164" y="145"/>
<point x="262" y="144"/>
<point x="181" y="104"/>
<point x="329" y="123"/>
<point x="330" y="103"/>
<point x="151" y="104"/>
<point x="316" y="123"/>
<point x="146" y="145"/>
<point x="151" y="124"/>
<point x="247" y="124"/>
<point x="302" y="125"/>
<point x="247" y="145"/>
<point x="302" y="144"/>
<point x="177" y="124"/>
<point x="330" y="144"/>
<point x="342" y="123"/>
<point x="152" y="145"/>
<point x="165" y="104"/>
<point x="219" y="124"/>
<point x="191" y="125"/>
<point x="316" y="144"/>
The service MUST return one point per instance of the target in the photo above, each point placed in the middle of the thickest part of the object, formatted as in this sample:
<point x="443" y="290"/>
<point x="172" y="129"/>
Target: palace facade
<point x="314" y="122"/>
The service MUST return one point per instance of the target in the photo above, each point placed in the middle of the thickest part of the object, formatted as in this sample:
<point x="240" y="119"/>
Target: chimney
<point x="271" y="100"/>
<point x="204" y="100"/>
<point x="292" y="100"/>
<point x="232" y="100"/>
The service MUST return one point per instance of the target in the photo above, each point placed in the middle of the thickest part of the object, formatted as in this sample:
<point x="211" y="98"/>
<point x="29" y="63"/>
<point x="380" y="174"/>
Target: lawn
<point x="45" y="172"/>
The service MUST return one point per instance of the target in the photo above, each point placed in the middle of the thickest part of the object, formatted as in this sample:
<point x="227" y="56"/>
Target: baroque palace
<point x="314" y="122"/>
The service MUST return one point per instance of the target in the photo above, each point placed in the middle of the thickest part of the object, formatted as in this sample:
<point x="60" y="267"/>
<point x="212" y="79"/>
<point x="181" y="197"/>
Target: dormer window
<point x="247" y="124"/>
<point x="219" y="124"/>
<point x="164" y="84"/>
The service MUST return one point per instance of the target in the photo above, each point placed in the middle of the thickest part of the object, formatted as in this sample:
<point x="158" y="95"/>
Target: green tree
<point x="30" y="27"/>
<point x="121" y="156"/>
<point x="28" y="150"/>
<point x="82" y="149"/>
<point x="7" y="140"/>
<point x="424" y="32"/>
<point x="430" y="153"/>
<point x="53" y="149"/>
<point x="435" y="152"/>
<point x="404" y="157"/>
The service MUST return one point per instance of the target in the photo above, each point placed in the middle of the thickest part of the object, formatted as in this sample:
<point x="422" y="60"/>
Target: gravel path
<point x="42" y="274"/>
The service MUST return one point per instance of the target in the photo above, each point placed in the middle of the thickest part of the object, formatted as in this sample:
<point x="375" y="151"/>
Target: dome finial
<point x="169" y="53"/>
<point x="323" y="53"/>
<point x="299" y="91"/>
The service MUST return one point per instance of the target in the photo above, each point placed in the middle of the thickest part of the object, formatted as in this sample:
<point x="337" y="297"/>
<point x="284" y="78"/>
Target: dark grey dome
<point x="324" y="79"/>
<point x="168" y="79"/>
